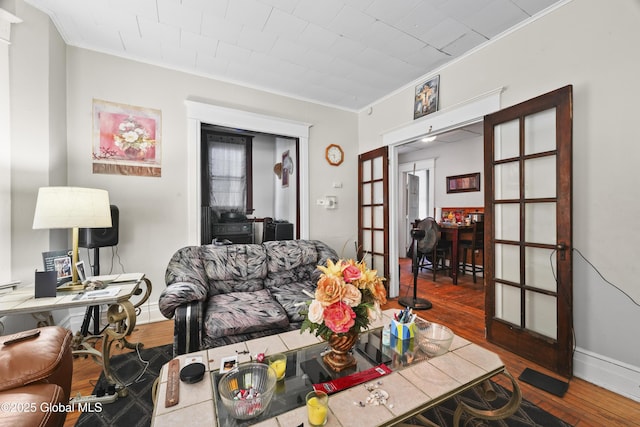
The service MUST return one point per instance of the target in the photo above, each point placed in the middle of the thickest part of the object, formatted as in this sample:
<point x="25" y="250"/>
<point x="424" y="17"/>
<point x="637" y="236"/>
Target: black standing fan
<point x="424" y="239"/>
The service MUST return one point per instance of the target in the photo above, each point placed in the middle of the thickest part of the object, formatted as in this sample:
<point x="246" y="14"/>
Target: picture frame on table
<point x="463" y="183"/>
<point x="60" y="262"/>
<point x="82" y="275"/>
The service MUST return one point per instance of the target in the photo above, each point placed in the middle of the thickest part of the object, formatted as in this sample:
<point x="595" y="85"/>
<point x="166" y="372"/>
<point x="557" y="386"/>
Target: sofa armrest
<point x="177" y="294"/>
<point x="187" y="328"/>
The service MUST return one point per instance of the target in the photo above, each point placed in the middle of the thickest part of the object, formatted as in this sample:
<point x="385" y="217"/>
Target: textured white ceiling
<point x="344" y="53"/>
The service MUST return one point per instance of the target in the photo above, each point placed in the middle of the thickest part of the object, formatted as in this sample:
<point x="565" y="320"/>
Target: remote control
<point x="21" y="336"/>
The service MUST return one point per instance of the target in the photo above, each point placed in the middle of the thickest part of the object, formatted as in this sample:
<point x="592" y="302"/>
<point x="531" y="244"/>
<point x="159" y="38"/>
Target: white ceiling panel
<point x="491" y="20"/>
<point x="284" y="25"/>
<point x="465" y="43"/>
<point x="210" y="64"/>
<point x="248" y="12"/>
<point x="391" y="11"/>
<point x="212" y="7"/>
<point x="287" y="6"/>
<point x="170" y="12"/>
<point x="219" y="29"/>
<point x="255" y="40"/>
<point x="318" y="12"/>
<point x="318" y="37"/>
<point x="344" y="53"/>
<point x="351" y="23"/>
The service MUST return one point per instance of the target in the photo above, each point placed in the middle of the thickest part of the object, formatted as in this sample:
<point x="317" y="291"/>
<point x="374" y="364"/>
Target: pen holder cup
<point x="402" y="331"/>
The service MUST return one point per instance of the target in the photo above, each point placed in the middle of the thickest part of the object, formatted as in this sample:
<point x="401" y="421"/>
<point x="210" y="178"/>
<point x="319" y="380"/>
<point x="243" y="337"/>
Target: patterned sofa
<point x="225" y="294"/>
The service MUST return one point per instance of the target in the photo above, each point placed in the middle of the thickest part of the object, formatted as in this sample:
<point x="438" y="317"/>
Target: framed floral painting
<point x="126" y="139"/>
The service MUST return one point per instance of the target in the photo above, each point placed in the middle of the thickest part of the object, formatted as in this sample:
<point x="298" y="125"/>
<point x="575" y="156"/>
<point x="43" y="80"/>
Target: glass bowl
<point x="434" y="339"/>
<point x="246" y="391"/>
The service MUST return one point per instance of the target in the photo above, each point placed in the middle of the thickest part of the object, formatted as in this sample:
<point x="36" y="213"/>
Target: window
<point x="227" y="163"/>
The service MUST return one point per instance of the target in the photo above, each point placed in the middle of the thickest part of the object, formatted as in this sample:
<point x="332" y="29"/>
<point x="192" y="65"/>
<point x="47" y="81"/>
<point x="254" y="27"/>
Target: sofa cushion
<point x="234" y="268"/>
<point x="242" y="312"/>
<point x="290" y="261"/>
<point x="284" y="255"/>
<point x="292" y="298"/>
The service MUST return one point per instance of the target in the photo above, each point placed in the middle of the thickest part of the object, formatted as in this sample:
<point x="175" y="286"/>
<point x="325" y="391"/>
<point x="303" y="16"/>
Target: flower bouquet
<point x="132" y="138"/>
<point x="348" y="298"/>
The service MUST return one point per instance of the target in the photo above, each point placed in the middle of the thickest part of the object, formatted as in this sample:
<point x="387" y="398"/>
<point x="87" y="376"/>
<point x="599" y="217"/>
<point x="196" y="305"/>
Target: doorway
<point x="243" y="182"/>
<point x="417" y="197"/>
<point x="199" y="113"/>
<point x="466" y="113"/>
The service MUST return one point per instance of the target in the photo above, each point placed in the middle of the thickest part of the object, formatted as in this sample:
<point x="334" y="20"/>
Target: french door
<point x="528" y="229"/>
<point x="373" y="210"/>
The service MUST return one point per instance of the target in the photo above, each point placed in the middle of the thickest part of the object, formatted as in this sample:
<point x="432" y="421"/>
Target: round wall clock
<point x="334" y="154"/>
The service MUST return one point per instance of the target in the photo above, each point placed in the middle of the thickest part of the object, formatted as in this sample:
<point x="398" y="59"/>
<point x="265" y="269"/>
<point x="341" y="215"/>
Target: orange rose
<point x="330" y="289"/>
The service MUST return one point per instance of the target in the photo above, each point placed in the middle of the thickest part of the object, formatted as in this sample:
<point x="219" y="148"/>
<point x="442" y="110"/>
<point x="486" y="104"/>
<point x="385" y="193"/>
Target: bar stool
<point x="476" y="244"/>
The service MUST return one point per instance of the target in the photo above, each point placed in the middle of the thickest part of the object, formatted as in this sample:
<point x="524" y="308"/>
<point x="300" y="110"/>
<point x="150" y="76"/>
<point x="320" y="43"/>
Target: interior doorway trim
<point x="454" y="117"/>
<point x="407" y="168"/>
<point x="199" y="112"/>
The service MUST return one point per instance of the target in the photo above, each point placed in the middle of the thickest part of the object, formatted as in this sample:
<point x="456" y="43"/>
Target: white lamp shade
<point x="71" y="207"/>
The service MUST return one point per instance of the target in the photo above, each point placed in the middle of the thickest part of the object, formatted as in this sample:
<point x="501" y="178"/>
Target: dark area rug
<point x="134" y="410"/>
<point x="528" y="414"/>
<point x="137" y="408"/>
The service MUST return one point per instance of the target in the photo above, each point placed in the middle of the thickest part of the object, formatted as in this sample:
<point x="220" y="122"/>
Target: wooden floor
<point x="461" y="308"/>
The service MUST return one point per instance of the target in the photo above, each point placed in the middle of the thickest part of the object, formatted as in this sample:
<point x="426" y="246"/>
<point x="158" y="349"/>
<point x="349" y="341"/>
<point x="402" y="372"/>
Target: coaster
<point x="544" y="382"/>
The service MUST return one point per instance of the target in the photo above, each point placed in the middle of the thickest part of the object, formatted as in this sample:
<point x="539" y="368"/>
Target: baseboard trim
<point x="616" y="376"/>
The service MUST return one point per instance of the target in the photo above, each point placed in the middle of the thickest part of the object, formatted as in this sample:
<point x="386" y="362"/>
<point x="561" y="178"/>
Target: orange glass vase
<point x="340" y="357"/>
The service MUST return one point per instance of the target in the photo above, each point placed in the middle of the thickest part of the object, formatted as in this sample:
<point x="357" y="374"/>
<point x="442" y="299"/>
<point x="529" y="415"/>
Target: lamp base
<point x="415" y="303"/>
<point x="70" y="287"/>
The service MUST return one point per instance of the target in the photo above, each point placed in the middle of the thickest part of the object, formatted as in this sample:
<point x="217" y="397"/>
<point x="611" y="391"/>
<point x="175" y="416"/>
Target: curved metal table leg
<point x="495" y="414"/>
<point x="147" y="293"/>
<point x="123" y="316"/>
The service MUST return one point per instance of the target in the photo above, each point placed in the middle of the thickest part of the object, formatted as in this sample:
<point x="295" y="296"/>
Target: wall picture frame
<point x="463" y="183"/>
<point x="127" y="139"/>
<point x="426" y="97"/>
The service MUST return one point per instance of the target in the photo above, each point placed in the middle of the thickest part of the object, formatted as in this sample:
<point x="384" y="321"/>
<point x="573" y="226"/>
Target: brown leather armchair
<point x="35" y="379"/>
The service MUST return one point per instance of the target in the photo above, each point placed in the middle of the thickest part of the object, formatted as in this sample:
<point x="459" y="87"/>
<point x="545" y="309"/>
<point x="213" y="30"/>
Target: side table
<point x="121" y="315"/>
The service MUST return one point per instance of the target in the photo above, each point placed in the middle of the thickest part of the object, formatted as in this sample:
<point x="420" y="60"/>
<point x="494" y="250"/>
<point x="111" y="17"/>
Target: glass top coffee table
<point x="415" y="384"/>
<point x="305" y="368"/>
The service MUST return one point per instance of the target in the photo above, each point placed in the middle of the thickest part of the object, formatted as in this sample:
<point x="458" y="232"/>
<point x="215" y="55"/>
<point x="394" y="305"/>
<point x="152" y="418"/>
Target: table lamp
<point x="72" y="207"/>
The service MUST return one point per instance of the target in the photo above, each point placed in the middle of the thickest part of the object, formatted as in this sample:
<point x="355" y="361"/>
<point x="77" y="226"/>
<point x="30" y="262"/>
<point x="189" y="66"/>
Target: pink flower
<point x="339" y="317"/>
<point x="351" y="273"/>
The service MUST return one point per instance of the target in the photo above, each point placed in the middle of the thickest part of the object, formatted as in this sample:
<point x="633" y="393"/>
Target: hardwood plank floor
<point x="461" y="308"/>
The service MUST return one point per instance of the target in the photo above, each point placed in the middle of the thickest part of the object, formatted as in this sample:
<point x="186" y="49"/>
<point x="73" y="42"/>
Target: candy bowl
<point x="246" y="391"/>
<point x="434" y="339"/>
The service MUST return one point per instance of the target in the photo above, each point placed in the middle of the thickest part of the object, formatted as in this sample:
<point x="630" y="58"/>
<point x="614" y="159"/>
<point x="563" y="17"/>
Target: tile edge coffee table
<point x="412" y="389"/>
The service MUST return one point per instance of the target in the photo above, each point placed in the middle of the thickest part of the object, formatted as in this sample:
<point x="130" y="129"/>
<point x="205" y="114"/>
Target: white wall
<point x="264" y="153"/>
<point x="285" y="197"/>
<point x="454" y="158"/>
<point x="588" y="46"/>
<point x="153" y="211"/>
<point x="37" y="84"/>
<point x="5" y="157"/>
